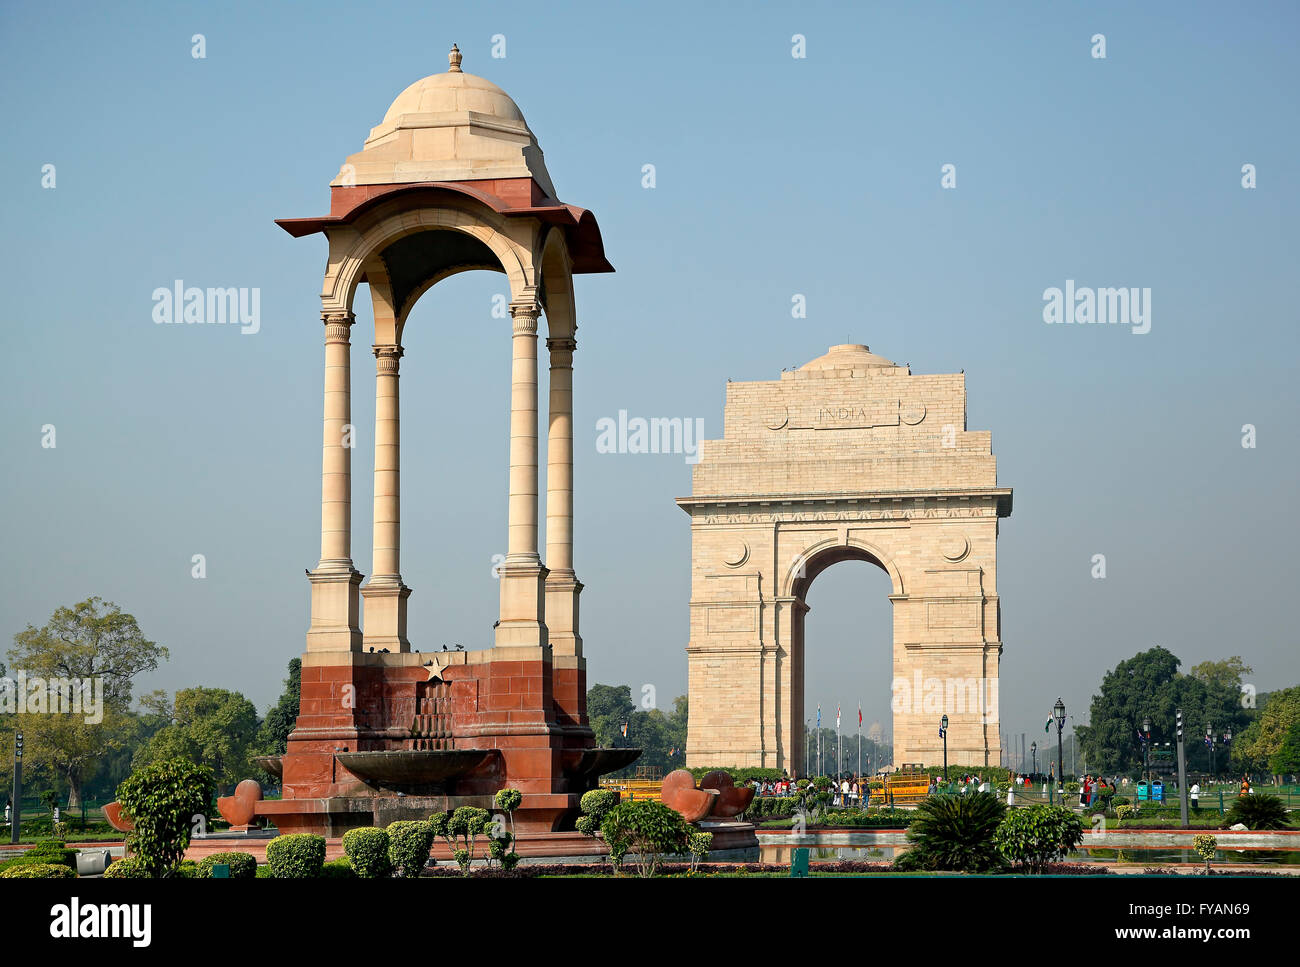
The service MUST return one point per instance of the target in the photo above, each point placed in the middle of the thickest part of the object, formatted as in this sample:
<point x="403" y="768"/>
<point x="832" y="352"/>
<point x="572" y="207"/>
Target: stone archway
<point x="849" y="456"/>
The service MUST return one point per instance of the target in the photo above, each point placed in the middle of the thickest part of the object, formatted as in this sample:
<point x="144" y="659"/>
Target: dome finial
<point x="453" y="58"/>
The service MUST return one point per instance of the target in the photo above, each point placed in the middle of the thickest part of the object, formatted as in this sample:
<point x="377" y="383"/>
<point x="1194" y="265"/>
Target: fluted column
<point x="562" y="585"/>
<point x="335" y="610"/>
<point x="385" y="594"/>
<point x="522" y="575"/>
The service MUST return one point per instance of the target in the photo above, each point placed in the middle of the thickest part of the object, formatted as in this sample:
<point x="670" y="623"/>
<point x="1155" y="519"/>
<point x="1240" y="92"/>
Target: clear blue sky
<point x="775" y="176"/>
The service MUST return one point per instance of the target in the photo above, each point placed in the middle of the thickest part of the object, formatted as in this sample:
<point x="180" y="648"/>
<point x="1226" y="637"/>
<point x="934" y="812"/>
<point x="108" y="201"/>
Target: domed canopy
<point x="451" y="126"/>
<point x="848" y="356"/>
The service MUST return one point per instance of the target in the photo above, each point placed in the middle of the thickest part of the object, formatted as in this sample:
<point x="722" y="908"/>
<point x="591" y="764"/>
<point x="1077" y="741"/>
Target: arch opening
<point x="850" y="661"/>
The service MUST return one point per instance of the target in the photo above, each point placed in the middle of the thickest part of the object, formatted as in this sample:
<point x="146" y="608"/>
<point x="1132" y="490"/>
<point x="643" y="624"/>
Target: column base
<point x="335" y="609"/>
<point x="562" y="590"/>
<point x="385" y="617"/>
<point x="523" y="605"/>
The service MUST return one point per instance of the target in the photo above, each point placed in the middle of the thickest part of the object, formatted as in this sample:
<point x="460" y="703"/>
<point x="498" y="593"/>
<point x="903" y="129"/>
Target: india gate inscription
<point x="850" y="457"/>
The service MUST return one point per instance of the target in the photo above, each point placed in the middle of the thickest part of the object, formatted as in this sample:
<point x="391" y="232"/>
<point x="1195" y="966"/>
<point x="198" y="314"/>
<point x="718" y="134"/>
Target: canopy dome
<point x="848" y="356"/>
<point x="451" y="126"/>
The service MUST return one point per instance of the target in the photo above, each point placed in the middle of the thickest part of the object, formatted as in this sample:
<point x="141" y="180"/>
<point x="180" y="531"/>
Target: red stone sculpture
<point x="732" y="799"/>
<point x="238" y="810"/>
<point x="678" y="792"/>
<point x="118" y="819"/>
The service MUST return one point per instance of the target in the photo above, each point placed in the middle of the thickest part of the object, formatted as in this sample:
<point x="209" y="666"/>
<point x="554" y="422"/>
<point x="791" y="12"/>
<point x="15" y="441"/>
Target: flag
<point x="623" y="729"/>
<point x="859" y="715"/>
<point x="1208" y="743"/>
<point x="819" y="715"/>
<point x="837" y="715"/>
<point x="1048" y="726"/>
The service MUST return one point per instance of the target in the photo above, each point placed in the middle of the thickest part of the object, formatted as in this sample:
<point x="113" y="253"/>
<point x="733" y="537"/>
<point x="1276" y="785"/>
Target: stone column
<point x="335" y="606"/>
<point x="562" y="584"/>
<point x="522" y="576"/>
<point x="385" y="594"/>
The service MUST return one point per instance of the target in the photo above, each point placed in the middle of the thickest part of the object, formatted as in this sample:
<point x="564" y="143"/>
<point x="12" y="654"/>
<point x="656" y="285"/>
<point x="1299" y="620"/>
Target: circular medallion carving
<point x="776" y="417"/>
<point x="913" y="412"/>
<point x="955" y="548"/>
<point x="736" y="555"/>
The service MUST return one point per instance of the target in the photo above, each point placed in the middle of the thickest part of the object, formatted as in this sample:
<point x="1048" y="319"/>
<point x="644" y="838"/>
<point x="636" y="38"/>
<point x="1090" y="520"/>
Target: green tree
<point x="1264" y="737"/>
<point x="210" y="726"/>
<point x="164" y="801"/>
<point x="93" y="641"/>
<point x="273" y="736"/>
<point x="1286" y="760"/>
<point x="1150" y="685"/>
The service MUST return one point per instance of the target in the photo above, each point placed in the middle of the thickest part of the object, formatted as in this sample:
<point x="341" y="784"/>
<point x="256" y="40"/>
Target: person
<point x="1195" y="793"/>
<point x="1011" y="794"/>
<point x="1245" y="786"/>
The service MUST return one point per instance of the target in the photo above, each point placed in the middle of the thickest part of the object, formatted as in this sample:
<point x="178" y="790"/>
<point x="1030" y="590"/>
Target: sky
<point x="775" y="176"/>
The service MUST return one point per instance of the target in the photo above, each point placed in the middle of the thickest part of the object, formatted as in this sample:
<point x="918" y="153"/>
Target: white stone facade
<point x="848" y="457"/>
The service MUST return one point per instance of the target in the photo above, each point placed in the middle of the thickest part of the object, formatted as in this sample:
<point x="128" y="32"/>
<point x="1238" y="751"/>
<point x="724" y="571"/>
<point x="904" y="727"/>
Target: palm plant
<point x="1257" y="810"/>
<point x="955" y="833"/>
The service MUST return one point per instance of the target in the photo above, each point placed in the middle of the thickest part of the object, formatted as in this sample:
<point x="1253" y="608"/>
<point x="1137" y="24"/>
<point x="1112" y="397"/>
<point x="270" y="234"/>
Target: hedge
<point x="367" y="848"/>
<point x="39" y="871"/>
<point x="243" y="866"/>
<point x="296" y="856"/>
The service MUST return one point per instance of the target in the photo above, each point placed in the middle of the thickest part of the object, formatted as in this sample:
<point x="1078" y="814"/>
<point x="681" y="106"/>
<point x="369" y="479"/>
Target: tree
<point x="91" y="642"/>
<point x="164" y="800"/>
<point x="1286" y="760"/>
<point x="1263" y="738"/>
<point x="660" y="736"/>
<point x="1036" y="836"/>
<point x="210" y="726"/>
<point x="1149" y="685"/>
<point x="273" y="737"/>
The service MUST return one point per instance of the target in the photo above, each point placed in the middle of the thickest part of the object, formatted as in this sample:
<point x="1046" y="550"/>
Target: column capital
<point x="525" y="315"/>
<point x="561" y="344"/>
<point x="386" y="358"/>
<point x="337" y="326"/>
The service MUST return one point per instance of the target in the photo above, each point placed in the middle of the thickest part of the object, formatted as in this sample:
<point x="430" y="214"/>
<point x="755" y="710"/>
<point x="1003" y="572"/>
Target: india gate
<point x="849" y="457"/>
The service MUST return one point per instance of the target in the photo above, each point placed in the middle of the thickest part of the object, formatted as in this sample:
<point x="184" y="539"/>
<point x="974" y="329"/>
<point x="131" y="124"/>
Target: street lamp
<point x="1209" y="742"/>
<point x="1058" y="712"/>
<point x="1033" y="749"/>
<point x="1146" y="749"/>
<point x="1227" y="742"/>
<point x="18" y="788"/>
<point x="943" y="734"/>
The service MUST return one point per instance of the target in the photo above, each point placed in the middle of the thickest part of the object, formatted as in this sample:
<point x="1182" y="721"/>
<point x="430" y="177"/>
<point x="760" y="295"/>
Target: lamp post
<point x="1209" y="742"/>
<point x="18" y="788"/>
<point x="1182" y="767"/>
<point x="1033" y="750"/>
<point x="943" y="734"/>
<point x="1227" y="742"/>
<point x="1058" y="712"/>
<point x="1146" y="751"/>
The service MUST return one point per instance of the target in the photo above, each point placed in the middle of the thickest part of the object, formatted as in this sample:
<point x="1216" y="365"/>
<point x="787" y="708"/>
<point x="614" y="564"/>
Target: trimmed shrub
<point x="243" y="866"/>
<point x="1036" y="836"/>
<point x="339" y="869"/>
<point x="128" y="868"/>
<point x="297" y="856"/>
<point x="648" y="828"/>
<point x="264" y="872"/>
<point x="464" y="826"/>
<point x="39" y="871"/>
<point x="410" y="842"/>
<point x="699" y="843"/>
<point x="1205" y="845"/>
<point x="162" y="800"/>
<point x="954" y="833"/>
<point x="367" y="848"/>
<point x="48" y="851"/>
<point x="595" y="805"/>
